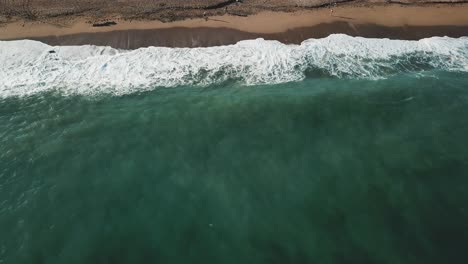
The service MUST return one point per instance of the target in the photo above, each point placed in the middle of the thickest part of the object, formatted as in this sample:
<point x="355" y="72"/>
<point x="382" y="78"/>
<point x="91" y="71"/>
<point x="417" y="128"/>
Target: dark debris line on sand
<point x="105" y="24"/>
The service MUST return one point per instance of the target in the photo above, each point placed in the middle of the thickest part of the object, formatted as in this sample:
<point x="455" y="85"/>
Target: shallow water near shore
<point x="323" y="169"/>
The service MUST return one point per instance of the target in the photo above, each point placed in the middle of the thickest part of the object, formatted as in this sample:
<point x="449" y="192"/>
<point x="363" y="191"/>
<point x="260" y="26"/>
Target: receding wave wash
<point x="30" y="67"/>
<point x="338" y="150"/>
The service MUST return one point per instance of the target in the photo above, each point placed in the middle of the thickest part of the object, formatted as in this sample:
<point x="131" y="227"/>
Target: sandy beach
<point x="383" y="21"/>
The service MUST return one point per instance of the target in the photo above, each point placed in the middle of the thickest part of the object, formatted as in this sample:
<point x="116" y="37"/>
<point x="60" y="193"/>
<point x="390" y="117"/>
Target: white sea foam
<point x="28" y="67"/>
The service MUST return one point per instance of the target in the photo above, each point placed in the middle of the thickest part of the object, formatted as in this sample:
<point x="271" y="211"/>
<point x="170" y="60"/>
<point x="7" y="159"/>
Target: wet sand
<point x="205" y="36"/>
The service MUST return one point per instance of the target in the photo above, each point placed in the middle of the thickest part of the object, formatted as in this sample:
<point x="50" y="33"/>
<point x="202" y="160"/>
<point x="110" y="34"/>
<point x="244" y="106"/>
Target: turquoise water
<point x="323" y="170"/>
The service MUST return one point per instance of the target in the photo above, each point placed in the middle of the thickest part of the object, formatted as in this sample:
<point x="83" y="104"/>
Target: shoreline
<point x="381" y="21"/>
<point x="181" y="37"/>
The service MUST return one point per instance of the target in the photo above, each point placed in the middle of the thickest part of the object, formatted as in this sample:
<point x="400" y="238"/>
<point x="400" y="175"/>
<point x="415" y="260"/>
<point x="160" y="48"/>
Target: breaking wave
<point x="28" y="67"/>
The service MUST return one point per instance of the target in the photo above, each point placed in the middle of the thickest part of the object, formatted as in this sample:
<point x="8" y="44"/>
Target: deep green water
<point x="321" y="171"/>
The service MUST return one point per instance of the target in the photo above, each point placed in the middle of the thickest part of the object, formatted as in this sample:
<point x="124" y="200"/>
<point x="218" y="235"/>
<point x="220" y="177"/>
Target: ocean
<point x="338" y="150"/>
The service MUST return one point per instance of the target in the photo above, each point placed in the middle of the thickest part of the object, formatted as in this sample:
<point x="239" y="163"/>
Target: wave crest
<point x="29" y="67"/>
